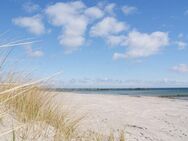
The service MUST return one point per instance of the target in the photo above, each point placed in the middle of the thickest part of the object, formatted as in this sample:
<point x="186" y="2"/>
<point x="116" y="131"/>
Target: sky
<point x="98" y="43"/>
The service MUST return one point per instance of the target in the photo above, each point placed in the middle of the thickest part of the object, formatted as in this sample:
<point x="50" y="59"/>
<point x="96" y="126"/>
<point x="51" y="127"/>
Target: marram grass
<point x="33" y="107"/>
<point x="28" y="113"/>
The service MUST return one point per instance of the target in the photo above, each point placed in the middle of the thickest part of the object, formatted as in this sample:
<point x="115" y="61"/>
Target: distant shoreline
<point x="165" y="88"/>
<point x="156" y="92"/>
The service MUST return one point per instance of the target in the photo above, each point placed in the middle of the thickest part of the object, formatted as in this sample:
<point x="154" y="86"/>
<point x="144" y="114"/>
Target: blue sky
<point x="114" y="43"/>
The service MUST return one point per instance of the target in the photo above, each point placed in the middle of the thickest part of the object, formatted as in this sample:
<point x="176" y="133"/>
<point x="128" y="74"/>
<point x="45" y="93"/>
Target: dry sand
<point x="142" y="118"/>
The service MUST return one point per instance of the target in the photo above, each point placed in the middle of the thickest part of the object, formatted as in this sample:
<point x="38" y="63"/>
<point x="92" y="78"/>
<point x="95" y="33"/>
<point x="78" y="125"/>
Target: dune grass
<point x="35" y="116"/>
<point x="33" y="106"/>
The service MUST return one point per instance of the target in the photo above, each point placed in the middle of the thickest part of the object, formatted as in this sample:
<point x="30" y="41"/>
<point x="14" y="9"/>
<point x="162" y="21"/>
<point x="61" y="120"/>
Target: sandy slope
<point x="143" y="118"/>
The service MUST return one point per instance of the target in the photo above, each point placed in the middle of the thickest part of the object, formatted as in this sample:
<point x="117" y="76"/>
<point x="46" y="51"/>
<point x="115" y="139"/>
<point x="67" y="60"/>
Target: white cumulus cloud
<point x="104" y="29"/>
<point x="181" y="68"/>
<point x="32" y="24"/>
<point x="115" y="40"/>
<point x="64" y="13"/>
<point x="127" y="10"/>
<point x="74" y="18"/>
<point x="94" y="12"/>
<point x="74" y="23"/>
<point x="143" y="44"/>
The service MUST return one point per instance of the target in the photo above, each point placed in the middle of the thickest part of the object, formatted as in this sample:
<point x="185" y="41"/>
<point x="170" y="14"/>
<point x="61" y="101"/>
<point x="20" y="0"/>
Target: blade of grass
<point x="28" y="84"/>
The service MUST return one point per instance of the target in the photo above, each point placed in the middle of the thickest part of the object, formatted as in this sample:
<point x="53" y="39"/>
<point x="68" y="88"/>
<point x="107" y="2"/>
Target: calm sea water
<point x="163" y="92"/>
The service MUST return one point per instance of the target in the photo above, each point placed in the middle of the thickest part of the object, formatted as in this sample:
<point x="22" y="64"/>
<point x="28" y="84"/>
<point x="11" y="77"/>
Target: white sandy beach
<point x="142" y="118"/>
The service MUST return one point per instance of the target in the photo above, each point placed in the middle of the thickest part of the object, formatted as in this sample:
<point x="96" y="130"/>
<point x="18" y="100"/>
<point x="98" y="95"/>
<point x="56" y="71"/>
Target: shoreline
<point x="153" y="92"/>
<point x="180" y="97"/>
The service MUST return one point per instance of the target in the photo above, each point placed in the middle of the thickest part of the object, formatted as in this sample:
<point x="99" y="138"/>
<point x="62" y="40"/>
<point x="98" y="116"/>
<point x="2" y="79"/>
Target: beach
<point x="142" y="118"/>
<point x="93" y="70"/>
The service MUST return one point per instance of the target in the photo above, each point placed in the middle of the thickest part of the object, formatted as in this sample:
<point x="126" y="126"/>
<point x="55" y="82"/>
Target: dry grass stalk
<point x="33" y="107"/>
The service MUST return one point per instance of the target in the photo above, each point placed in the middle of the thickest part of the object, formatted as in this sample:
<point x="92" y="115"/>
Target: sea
<point x="180" y="93"/>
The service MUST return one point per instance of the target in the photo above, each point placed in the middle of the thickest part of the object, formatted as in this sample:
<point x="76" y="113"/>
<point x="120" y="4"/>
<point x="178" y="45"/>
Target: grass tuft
<point x="34" y="114"/>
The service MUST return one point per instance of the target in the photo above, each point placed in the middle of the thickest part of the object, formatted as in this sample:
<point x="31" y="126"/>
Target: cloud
<point x="181" y="45"/>
<point x="94" y="12"/>
<point x="117" y="56"/>
<point x="127" y="10"/>
<point x="104" y="27"/>
<point x="181" y="68"/>
<point x="143" y="44"/>
<point x="64" y="13"/>
<point x="31" y="7"/>
<point x="73" y="18"/>
<point x="32" y="53"/>
<point x="109" y="8"/>
<point x="71" y="43"/>
<point x="115" y="40"/>
<point x="32" y="24"/>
